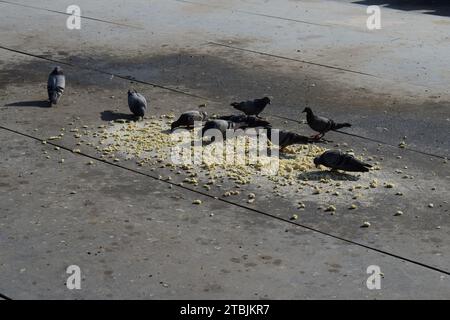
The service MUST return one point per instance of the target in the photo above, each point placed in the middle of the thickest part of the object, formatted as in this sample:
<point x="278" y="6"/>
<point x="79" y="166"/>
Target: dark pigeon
<point x="252" y="108"/>
<point x="322" y="124"/>
<point x="55" y="85"/>
<point x="222" y="126"/>
<point x="337" y="160"/>
<point x="137" y="103"/>
<point x="251" y="121"/>
<point x="287" y="138"/>
<point x="188" y="118"/>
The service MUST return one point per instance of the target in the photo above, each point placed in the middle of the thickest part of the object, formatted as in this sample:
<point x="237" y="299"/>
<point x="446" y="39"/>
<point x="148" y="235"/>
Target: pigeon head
<point x="266" y="100"/>
<point x="57" y="70"/>
<point x="307" y="110"/>
<point x="317" y="161"/>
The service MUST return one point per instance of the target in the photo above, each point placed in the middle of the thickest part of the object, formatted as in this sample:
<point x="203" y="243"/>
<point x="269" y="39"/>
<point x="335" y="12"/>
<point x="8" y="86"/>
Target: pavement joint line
<point x="255" y="13"/>
<point x="2" y="296"/>
<point x="373" y="140"/>
<point x="317" y="64"/>
<point x="288" y="221"/>
<point x="128" y="78"/>
<point x="394" y="146"/>
<point x="67" y="14"/>
<point x="333" y="25"/>
<point x="293" y="59"/>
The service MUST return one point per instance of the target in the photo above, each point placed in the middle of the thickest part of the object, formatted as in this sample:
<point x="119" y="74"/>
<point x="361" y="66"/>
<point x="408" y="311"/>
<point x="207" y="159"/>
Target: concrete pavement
<point x="135" y="237"/>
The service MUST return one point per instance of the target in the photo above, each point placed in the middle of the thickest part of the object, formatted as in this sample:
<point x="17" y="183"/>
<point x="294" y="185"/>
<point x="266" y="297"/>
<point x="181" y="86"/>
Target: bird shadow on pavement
<point x="319" y="174"/>
<point x="109" y="115"/>
<point x="34" y="103"/>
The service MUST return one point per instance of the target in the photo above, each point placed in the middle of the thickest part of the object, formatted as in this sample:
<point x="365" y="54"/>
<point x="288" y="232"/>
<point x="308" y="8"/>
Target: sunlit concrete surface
<point x="135" y="236"/>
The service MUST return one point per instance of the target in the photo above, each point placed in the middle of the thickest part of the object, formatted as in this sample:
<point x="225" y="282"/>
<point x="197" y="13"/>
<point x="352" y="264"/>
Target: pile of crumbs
<point x="150" y="144"/>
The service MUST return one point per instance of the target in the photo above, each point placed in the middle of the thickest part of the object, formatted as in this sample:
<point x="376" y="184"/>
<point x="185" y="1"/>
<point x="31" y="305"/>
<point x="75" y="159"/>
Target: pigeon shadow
<point x="333" y="175"/>
<point x="109" y="115"/>
<point x="35" y="103"/>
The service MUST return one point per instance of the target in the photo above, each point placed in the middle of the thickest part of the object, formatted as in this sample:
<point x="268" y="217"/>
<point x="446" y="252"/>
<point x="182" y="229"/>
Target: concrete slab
<point x="114" y="220"/>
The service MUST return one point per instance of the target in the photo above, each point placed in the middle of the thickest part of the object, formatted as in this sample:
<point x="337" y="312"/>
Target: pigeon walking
<point x="137" y="103"/>
<point x="287" y="138"/>
<point x="55" y="85"/>
<point x="321" y="124"/>
<point x="188" y="118"/>
<point x="337" y="160"/>
<point x="252" y="108"/>
<point x="251" y="121"/>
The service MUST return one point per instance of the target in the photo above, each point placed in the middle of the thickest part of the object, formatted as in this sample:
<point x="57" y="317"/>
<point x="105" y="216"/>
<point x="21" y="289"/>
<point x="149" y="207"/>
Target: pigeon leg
<point x="317" y="136"/>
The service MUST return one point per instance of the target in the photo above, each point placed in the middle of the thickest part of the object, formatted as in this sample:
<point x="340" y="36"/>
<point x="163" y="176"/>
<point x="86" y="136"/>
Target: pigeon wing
<point x="350" y="163"/>
<point x="320" y="124"/>
<point x="332" y="159"/>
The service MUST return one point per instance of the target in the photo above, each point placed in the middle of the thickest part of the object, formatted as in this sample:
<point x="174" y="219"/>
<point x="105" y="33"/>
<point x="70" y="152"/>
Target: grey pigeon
<point x="222" y="126"/>
<point x="55" y="85"/>
<point x="188" y="118"/>
<point x="322" y="124"/>
<point x="250" y="107"/>
<point x="137" y="103"/>
<point x="251" y="121"/>
<point x="337" y="160"/>
<point x="287" y="138"/>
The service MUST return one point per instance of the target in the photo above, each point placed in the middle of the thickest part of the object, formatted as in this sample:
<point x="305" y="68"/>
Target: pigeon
<point x="287" y="138"/>
<point x="188" y="118"/>
<point x="137" y="103"/>
<point x="222" y="126"/>
<point x="251" y="108"/>
<point x="55" y="85"/>
<point x="322" y="124"/>
<point x="251" y="121"/>
<point x="337" y="160"/>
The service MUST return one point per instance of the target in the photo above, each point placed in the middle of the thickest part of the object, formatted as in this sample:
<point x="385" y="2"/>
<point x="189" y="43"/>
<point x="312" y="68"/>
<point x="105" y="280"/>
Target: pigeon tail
<point x="363" y="169"/>
<point x="174" y="125"/>
<point x="337" y="126"/>
<point x="362" y="166"/>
